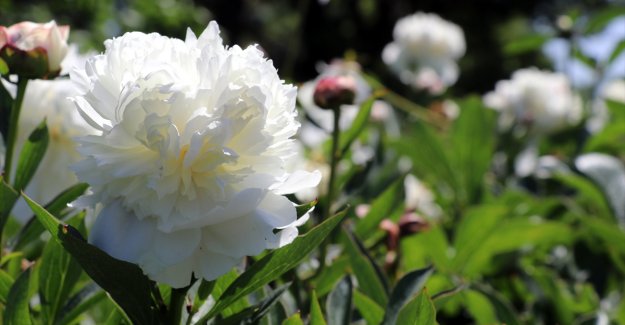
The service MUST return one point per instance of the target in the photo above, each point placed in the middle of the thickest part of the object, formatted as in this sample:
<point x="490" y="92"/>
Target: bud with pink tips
<point x="34" y="50"/>
<point x="332" y="92"/>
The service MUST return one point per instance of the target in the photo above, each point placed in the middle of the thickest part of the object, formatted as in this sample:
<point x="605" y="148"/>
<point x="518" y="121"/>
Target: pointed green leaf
<point x="618" y="50"/>
<point x="31" y="155"/>
<point x="339" y="303"/>
<point x="381" y="208"/>
<point x="4" y="68"/>
<point x="304" y="208"/>
<point x="254" y="313"/>
<point x="274" y="264"/>
<point x="358" y="125"/>
<point x="503" y="309"/>
<point x="6" y="281"/>
<point x="124" y="281"/>
<point x="406" y="288"/>
<point x="370" y="311"/>
<point x="17" y="311"/>
<point x="55" y="207"/>
<point x="316" y="316"/>
<point x="369" y="280"/>
<point x="9" y="196"/>
<point x="85" y="299"/>
<point x="293" y="320"/>
<point x="58" y="274"/>
<point x="419" y="311"/>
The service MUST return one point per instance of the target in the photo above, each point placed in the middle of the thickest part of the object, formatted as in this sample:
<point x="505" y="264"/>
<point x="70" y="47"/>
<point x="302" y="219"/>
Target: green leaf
<point x="588" y="61"/>
<point x="34" y="228"/>
<point x="84" y="300"/>
<point x="603" y="17"/>
<point x="339" y="303"/>
<point x="513" y="234"/>
<point x="358" y="125"/>
<point x="17" y="311"/>
<point x="369" y="280"/>
<point x="476" y="225"/>
<point x="293" y="320"/>
<point x="381" y="208"/>
<point x="304" y="208"/>
<point x="479" y="307"/>
<point x="587" y="193"/>
<point x="473" y="135"/>
<point x="503" y="309"/>
<point x="618" y="50"/>
<point x="4" y="68"/>
<point x="316" y="316"/>
<point x="419" y="311"/>
<point x="254" y="313"/>
<point x="330" y="275"/>
<point x="370" y="311"/>
<point x="6" y="281"/>
<point x="59" y="272"/>
<point x="406" y="288"/>
<point x="124" y="281"/>
<point x="31" y="155"/>
<point x="274" y="264"/>
<point x="9" y="196"/>
<point x="525" y="44"/>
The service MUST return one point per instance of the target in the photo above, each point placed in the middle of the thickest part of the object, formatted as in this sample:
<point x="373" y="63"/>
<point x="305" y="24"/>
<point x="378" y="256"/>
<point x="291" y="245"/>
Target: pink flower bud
<point x="34" y="50"/>
<point x="332" y="92"/>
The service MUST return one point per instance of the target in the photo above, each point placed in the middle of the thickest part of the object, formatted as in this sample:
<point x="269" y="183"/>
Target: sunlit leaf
<point x="419" y="311"/>
<point x="316" y="315"/>
<point x="369" y="309"/>
<point x="274" y="264"/>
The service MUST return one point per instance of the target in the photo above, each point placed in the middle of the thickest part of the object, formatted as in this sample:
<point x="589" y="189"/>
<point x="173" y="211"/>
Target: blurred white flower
<point x="535" y="101"/>
<point x="420" y="198"/>
<point x="191" y="160"/>
<point x="49" y="99"/>
<point x="424" y="52"/>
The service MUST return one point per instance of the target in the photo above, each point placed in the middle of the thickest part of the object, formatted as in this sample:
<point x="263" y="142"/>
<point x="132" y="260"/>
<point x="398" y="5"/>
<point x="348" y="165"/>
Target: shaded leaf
<point x="369" y="280"/>
<point x="9" y="196"/>
<point x="254" y="313"/>
<point x="124" y="281"/>
<point x="31" y="155"/>
<point x="339" y="303"/>
<point x="406" y="288"/>
<point x="85" y="299"/>
<point x="528" y="43"/>
<point x="293" y="320"/>
<point x="6" y="281"/>
<point x="17" y="311"/>
<point x="503" y="309"/>
<point x="381" y="208"/>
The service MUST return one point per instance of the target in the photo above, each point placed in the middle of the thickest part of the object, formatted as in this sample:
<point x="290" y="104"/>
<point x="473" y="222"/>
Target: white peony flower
<point x="538" y="102"/>
<point x="49" y="99"/>
<point x="420" y="198"/>
<point x="424" y="52"/>
<point x="190" y="163"/>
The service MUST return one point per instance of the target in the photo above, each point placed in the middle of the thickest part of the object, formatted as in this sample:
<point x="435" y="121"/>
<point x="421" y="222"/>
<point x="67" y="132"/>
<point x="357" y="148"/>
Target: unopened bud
<point x="411" y="223"/>
<point x="332" y="92"/>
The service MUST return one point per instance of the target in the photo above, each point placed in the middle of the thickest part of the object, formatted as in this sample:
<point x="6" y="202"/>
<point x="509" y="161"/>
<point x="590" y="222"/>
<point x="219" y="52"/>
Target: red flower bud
<point x="332" y="92"/>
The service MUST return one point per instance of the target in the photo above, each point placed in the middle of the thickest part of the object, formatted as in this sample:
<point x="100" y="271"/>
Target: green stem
<point x="327" y="209"/>
<point x="176" y="303"/>
<point x="334" y="159"/>
<point x="13" y="126"/>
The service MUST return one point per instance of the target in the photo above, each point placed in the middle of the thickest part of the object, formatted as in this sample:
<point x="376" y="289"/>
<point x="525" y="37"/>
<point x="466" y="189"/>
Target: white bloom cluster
<point x="190" y="163"/>
<point x="424" y="51"/>
<point x="536" y="101"/>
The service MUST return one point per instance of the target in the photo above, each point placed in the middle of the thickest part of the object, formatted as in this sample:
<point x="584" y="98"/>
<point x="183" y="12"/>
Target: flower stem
<point x="334" y="159"/>
<point x="176" y="303"/>
<point x="13" y="126"/>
